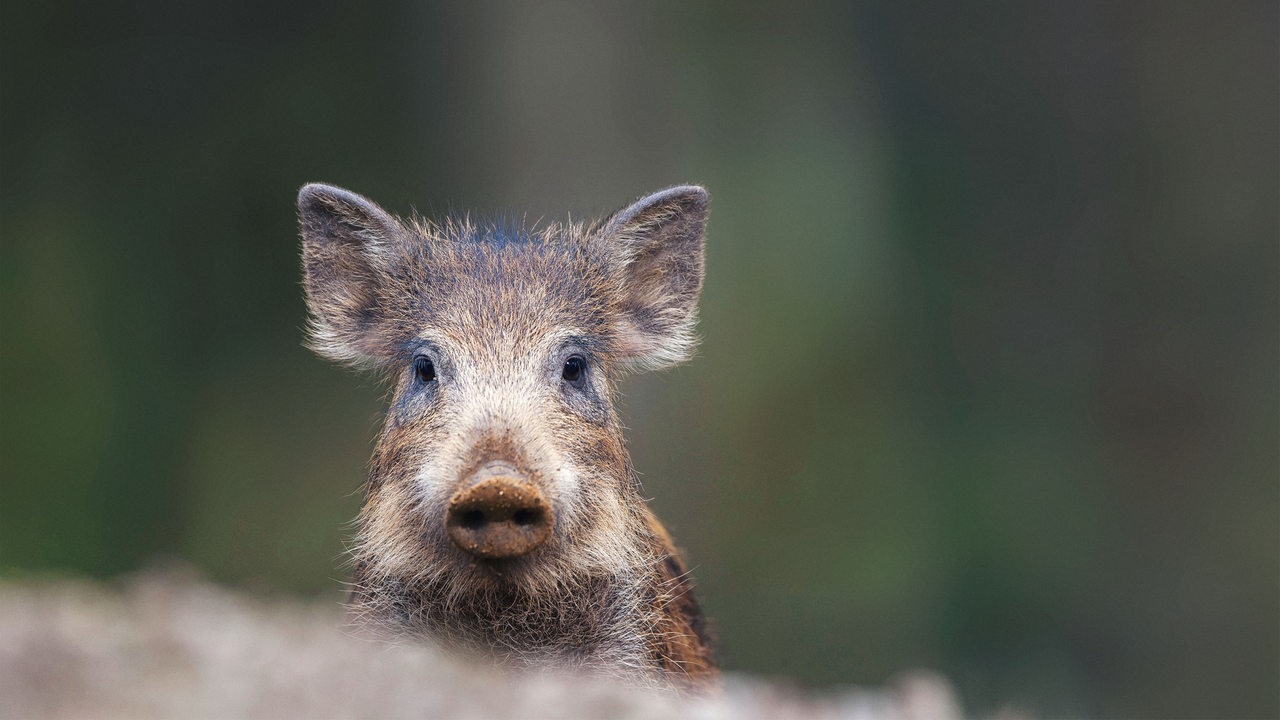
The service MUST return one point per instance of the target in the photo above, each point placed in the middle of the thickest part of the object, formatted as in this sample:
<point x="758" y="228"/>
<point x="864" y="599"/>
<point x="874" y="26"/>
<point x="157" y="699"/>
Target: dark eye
<point x="424" y="369"/>
<point x="575" y="370"/>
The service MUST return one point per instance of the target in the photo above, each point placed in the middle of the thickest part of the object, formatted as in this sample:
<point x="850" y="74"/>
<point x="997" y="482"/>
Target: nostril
<point x="471" y="519"/>
<point x="524" y="517"/>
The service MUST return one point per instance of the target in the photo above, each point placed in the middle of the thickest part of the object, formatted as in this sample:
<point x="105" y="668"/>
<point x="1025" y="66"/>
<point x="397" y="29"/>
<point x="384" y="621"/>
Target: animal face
<point x="501" y="463"/>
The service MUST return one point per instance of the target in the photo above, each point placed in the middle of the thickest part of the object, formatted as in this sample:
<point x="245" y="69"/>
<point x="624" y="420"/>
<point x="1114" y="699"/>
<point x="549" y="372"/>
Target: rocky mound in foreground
<point x="167" y="645"/>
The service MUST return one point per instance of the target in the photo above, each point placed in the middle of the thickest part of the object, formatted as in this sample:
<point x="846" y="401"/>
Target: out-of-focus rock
<point x="168" y="645"/>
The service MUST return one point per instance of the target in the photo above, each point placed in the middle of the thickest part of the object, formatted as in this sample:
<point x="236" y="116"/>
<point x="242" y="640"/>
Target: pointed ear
<point x="347" y="245"/>
<point x="656" y="245"/>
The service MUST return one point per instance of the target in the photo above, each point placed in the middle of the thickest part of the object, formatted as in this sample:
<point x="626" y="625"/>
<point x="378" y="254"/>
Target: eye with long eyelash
<point x="424" y="369"/>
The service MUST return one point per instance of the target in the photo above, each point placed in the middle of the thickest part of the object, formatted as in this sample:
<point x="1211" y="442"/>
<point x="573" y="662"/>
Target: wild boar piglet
<point x="502" y="516"/>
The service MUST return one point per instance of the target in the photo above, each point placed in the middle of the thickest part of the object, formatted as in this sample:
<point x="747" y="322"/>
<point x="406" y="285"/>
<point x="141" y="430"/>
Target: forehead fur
<point x="487" y="287"/>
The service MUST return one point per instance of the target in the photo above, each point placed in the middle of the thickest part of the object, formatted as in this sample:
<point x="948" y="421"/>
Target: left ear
<point x="657" y="246"/>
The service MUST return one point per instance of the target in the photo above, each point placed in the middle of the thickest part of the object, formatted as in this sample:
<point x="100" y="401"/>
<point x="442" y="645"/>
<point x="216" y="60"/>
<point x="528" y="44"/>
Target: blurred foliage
<point x="989" y="378"/>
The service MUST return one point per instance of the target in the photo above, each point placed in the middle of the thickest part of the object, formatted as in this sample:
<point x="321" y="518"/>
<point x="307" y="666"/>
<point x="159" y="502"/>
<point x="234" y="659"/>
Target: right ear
<point x="657" y="244"/>
<point x="347" y="246"/>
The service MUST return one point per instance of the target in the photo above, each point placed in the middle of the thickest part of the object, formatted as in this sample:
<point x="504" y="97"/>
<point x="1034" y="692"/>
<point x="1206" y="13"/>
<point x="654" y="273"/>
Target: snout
<point x="499" y="517"/>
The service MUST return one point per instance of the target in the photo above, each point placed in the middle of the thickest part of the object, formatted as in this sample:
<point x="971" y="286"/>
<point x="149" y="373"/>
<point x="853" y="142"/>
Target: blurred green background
<point x="989" y="379"/>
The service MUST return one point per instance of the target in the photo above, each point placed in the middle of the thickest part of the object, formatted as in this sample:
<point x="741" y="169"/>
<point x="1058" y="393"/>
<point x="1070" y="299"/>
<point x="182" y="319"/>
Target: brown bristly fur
<point x="497" y="313"/>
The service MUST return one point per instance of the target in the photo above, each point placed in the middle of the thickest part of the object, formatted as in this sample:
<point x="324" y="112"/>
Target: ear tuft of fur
<point x="348" y="243"/>
<point x="657" y="247"/>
